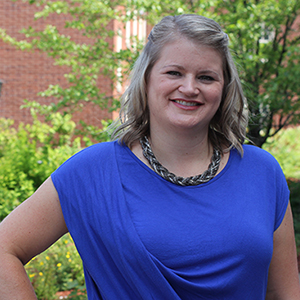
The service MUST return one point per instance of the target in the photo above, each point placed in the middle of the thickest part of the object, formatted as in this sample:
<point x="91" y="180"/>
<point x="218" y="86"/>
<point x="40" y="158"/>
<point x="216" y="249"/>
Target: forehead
<point x="190" y="54"/>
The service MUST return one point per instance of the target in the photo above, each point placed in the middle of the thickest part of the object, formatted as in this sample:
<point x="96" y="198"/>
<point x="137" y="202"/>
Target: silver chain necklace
<point x="164" y="173"/>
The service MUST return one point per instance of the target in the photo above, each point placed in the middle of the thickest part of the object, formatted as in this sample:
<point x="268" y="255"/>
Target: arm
<point x="283" y="283"/>
<point x="30" y="229"/>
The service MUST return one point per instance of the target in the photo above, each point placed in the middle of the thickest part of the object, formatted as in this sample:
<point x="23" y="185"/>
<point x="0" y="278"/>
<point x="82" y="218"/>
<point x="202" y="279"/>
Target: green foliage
<point x="286" y="148"/>
<point x="59" y="268"/>
<point x="86" y="60"/>
<point x="95" y="133"/>
<point x="264" y="38"/>
<point x="29" y="154"/>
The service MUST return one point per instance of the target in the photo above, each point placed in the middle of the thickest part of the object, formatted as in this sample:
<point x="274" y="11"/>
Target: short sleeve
<point x="283" y="195"/>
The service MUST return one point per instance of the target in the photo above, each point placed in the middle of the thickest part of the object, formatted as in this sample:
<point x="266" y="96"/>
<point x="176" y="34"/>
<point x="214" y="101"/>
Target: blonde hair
<point x="228" y="126"/>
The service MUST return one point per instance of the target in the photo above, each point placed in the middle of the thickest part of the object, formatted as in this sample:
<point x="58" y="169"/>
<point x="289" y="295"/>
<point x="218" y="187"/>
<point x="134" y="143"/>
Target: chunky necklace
<point x="164" y="173"/>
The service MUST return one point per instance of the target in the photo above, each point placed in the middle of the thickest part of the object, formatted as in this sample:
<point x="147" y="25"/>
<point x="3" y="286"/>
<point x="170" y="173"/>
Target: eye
<point x="174" y="73"/>
<point x="206" y="78"/>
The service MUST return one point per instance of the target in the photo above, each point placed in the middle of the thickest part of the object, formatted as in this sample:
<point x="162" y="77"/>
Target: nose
<point x="189" y="86"/>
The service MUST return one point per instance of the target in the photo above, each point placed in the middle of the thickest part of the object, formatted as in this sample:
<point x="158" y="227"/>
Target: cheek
<point x="215" y="94"/>
<point x="158" y="91"/>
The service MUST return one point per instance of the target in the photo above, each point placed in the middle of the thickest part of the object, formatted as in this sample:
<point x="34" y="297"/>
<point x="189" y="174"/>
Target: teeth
<point x="186" y="103"/>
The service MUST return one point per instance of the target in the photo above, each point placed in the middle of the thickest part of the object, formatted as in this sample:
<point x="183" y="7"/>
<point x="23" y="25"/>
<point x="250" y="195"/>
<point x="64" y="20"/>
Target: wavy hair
<point x="228" y="126"/>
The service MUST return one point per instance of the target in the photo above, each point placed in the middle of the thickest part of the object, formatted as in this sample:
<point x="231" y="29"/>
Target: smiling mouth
<point x="187" y="103"/>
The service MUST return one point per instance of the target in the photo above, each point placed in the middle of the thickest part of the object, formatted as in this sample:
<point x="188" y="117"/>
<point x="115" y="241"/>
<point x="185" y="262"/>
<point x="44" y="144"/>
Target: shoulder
<point x="91" y="158"/>
<point x="256" y="161"/>
<point x="254" y="150"/>
<point x="258" y="155"/>
<point x="96" y="151"/>
<point x="262" y="163"/>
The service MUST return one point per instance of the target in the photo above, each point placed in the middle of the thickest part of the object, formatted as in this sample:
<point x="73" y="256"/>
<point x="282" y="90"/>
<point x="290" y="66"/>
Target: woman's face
<point x="185" y="87"/>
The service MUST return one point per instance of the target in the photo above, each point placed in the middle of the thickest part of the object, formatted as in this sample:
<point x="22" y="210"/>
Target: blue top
<point x="142" y="237"/>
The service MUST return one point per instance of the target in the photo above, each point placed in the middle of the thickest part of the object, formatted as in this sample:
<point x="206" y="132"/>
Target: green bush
<point x="285" y="146"/>
<point x="29" y="154"/>
<point x="59" y="268"/>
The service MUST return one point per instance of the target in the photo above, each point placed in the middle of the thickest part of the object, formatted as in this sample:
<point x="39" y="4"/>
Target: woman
<point x="145" y="223"/>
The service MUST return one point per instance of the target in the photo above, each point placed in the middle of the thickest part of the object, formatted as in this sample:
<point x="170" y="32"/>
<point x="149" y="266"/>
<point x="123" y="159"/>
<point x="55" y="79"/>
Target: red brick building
<point x="23" y="74"/>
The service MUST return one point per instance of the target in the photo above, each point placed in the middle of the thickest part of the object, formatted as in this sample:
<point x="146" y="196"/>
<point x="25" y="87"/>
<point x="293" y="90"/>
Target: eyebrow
<point x="173" y="66"/>
<point x="205" y="71"/>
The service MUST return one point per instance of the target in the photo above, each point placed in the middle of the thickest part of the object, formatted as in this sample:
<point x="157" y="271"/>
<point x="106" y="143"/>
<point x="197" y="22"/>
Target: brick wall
<point x="24" y="73"/>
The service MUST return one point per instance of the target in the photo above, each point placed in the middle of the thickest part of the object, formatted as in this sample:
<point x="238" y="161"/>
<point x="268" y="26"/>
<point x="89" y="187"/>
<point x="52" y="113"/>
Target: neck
<point x="182" y="154"/>
<point x="180" y="180"/>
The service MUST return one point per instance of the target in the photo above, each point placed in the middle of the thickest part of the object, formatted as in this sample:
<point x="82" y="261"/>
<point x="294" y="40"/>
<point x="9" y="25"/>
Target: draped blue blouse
<point x="141" y="237"/>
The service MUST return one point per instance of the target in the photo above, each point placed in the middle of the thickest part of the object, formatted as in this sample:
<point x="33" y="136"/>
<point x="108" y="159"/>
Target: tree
<point x="264" y="38"/>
